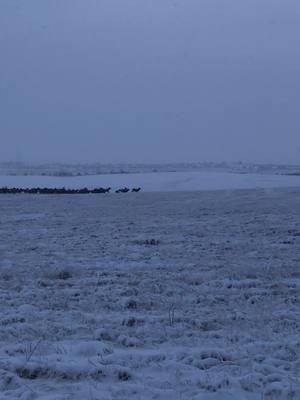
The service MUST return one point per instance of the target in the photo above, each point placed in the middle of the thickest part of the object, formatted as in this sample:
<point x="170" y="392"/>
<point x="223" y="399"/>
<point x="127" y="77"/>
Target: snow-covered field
<point x="158" y="182"/>
<point x="151" y="296"/>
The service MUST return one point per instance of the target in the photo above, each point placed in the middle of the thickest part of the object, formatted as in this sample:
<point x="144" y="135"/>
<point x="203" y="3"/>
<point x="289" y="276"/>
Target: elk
<point x="123" y="190"/>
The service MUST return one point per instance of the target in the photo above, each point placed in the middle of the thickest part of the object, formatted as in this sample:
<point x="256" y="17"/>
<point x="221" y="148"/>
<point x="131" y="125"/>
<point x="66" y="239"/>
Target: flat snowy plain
<point x="158" y="182"/>
<point x="191" y="295"/>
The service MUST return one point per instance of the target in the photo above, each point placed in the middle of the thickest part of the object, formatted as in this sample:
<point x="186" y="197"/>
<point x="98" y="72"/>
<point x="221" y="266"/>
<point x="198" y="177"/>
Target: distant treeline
<point x="293" y="174"/>
<point x="38" y="190"/>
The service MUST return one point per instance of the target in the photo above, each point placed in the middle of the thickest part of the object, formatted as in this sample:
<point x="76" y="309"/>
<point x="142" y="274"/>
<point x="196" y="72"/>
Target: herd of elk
<point x="38" y="190"/>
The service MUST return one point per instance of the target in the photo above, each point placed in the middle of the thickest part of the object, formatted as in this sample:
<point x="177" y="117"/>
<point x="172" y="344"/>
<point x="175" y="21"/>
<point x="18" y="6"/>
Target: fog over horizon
<point x="158" y="81"/>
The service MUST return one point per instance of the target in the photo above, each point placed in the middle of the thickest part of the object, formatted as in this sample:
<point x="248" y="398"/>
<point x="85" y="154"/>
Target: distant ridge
<point x="73" y="170"/>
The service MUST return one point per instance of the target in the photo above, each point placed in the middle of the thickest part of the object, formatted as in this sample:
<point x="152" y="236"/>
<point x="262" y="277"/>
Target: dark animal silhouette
<point x="123" y="190"/>
<point x="136" y="190"/>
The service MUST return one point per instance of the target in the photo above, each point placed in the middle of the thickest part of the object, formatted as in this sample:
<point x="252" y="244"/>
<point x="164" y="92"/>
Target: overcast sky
<point x="150" y="80"/>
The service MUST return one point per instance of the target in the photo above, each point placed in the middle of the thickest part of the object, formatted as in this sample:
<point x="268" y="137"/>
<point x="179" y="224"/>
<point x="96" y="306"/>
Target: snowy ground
<point x="158" y="182"/>
<point x="90" y="309"/>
